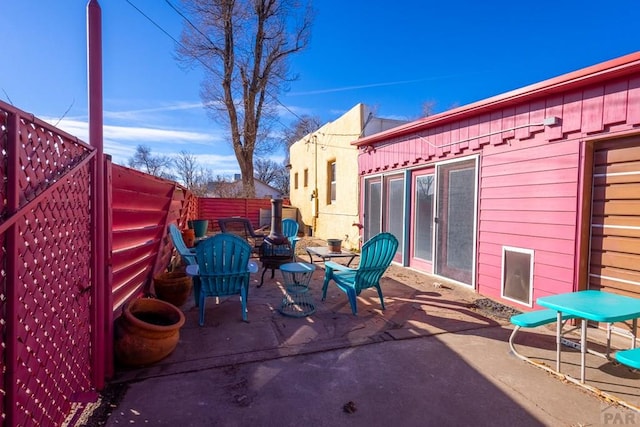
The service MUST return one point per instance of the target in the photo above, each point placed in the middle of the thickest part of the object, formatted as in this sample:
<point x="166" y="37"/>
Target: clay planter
<point x="173" y="287"/>
<point x="335" y="245"/>
<point x="189" y="237"/>
<point x="147" y="331"/>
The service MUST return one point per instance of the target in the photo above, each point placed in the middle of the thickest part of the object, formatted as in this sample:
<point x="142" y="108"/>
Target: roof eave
<point x="623" y="65"/>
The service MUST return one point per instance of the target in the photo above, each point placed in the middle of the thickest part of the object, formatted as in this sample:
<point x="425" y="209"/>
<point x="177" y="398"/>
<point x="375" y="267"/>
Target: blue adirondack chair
<point x="290" y="229"/>
<point x="223" y="269"/>
<point x="188" y="256"/>
<point x="375" y="258"/>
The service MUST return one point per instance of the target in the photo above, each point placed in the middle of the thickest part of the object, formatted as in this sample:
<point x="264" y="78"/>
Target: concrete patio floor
<point x="431" y="358"/>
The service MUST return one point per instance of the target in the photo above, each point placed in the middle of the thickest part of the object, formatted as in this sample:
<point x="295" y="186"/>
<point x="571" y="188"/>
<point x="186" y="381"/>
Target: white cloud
<point x="137" y="133"/>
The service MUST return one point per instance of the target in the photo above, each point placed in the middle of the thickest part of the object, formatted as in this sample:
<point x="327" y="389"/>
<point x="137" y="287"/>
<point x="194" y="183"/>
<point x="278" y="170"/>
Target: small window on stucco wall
<point x="305" y="178"/>
<point x="331" y="178"/>
<point x="295" y="181"/>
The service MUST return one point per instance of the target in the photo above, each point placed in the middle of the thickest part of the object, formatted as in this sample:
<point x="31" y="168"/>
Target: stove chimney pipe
<point x="275" y="235"/>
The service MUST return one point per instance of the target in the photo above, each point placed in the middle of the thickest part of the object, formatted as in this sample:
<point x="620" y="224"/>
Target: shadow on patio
<point x="462" y="373"/>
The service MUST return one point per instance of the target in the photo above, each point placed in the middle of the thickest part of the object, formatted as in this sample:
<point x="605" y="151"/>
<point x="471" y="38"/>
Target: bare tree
<point x="144" y="161"/>
<point x="273" y="173"/>
<point x="194" y="177"/>
<point x="186" y="167"/>
<point x="281" y="181"/>
<point x="428" y="108"/>
<point x="244" y="47"/>
<point x="224" y="187"/>
<point x="266" y="170"/>
<point x="302" y="127"/>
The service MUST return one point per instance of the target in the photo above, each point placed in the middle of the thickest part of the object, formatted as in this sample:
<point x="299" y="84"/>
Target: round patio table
<point x="297" y="301"/>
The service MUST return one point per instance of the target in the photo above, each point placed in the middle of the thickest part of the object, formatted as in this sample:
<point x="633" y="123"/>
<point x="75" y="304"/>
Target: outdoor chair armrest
<point x="335" y="266"/>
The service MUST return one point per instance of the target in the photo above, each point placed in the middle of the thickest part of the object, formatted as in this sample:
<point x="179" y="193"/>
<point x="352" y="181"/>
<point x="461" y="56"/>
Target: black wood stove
<point x="276" y="248"/>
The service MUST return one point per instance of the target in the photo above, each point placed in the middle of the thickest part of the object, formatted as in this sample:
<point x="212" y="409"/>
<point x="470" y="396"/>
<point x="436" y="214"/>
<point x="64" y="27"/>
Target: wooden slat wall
<point x="615" y="225"/>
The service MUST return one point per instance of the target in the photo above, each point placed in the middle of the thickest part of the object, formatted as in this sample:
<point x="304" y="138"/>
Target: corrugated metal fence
<point x="214" y="208"/>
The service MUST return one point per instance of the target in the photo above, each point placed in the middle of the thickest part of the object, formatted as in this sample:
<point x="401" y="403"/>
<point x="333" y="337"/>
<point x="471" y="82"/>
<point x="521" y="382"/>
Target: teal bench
<point x="629" y="357"/>
<point x="533" y="319"/>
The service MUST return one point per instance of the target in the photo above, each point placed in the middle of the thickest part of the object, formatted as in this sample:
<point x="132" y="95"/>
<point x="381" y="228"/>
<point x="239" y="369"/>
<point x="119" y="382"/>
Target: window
<point x="332" y="182"/>
<point x="305" y="178"/>
<point x="295" y="181"/>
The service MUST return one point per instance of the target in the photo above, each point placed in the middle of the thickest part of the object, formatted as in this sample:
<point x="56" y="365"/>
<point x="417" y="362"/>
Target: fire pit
<point x="275" y="249"/>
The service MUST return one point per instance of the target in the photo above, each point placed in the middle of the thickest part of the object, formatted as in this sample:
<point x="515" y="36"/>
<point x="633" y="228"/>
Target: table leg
<point x="583" y="350"/>
<point x="633" y="333"/>
<point x="350" y="259"/>
<point x="558" y="341"/>
<point x="608" y="340"/>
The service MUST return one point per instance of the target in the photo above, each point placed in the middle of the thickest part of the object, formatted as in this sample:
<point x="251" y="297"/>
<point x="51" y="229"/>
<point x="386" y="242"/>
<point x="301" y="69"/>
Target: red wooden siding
<point x="581" y="112"/>
<point x="530" y="173"/>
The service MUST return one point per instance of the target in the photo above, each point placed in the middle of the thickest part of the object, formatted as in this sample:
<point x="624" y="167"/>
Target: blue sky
<point x="392" y="56"/>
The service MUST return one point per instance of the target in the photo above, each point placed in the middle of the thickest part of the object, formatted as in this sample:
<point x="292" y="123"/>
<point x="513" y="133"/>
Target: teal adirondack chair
<point x="188" y="256"/>
<point x="375" y="258"/>
<point x="223" y="269"/>
<point x="290" y="229"/>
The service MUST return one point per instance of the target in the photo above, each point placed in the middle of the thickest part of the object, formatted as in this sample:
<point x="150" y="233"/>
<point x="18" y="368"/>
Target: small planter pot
<point x="335" y="245"/>
<point x="189" y="237"/>
<point x="199" y="226"/>
<point x="147" y="331"/>
<point x="173" y="287"/>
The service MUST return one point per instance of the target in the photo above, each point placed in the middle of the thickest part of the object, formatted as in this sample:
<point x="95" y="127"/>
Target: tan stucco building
<point x="324" y="182"/>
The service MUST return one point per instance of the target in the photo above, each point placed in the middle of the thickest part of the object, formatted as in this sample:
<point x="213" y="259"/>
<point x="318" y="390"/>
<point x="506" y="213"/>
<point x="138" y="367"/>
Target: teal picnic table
<point x="591" y="305"/>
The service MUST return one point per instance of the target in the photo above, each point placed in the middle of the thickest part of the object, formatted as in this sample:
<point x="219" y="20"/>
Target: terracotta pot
<point x="173" y="287"/>
<point x="147" y="331"/>
<point x="189" y="237"/>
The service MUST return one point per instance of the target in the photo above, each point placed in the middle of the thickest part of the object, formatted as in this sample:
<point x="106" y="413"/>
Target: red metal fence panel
<point x="142" y="206"/>
<point x="214" y="208"/>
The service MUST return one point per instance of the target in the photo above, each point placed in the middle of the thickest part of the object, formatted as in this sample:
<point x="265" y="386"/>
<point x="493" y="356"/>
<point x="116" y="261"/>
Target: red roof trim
<point x="623" y="65"/>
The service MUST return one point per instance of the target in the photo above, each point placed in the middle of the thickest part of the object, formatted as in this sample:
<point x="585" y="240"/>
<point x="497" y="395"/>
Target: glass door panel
<point x="423" y="218"/>
<point x="372" y="208"/>
<point x="455" y="238"/>
<point x="394" y="215"/>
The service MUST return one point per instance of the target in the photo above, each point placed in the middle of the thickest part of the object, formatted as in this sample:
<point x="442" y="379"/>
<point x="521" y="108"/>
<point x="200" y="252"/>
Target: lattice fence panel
<point x="3" y="164"/>
<point x="3" y="267"/>
<point x="54" y="300"/>
<point x="45" y="156"/>
<point x="3" y="325"/>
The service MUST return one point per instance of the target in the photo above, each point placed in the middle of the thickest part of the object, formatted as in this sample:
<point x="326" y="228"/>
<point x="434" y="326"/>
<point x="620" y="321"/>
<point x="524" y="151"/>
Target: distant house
<point x="234" y="189"/>
<point x="526" y="194"/>
<point x="324" y="175"/>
